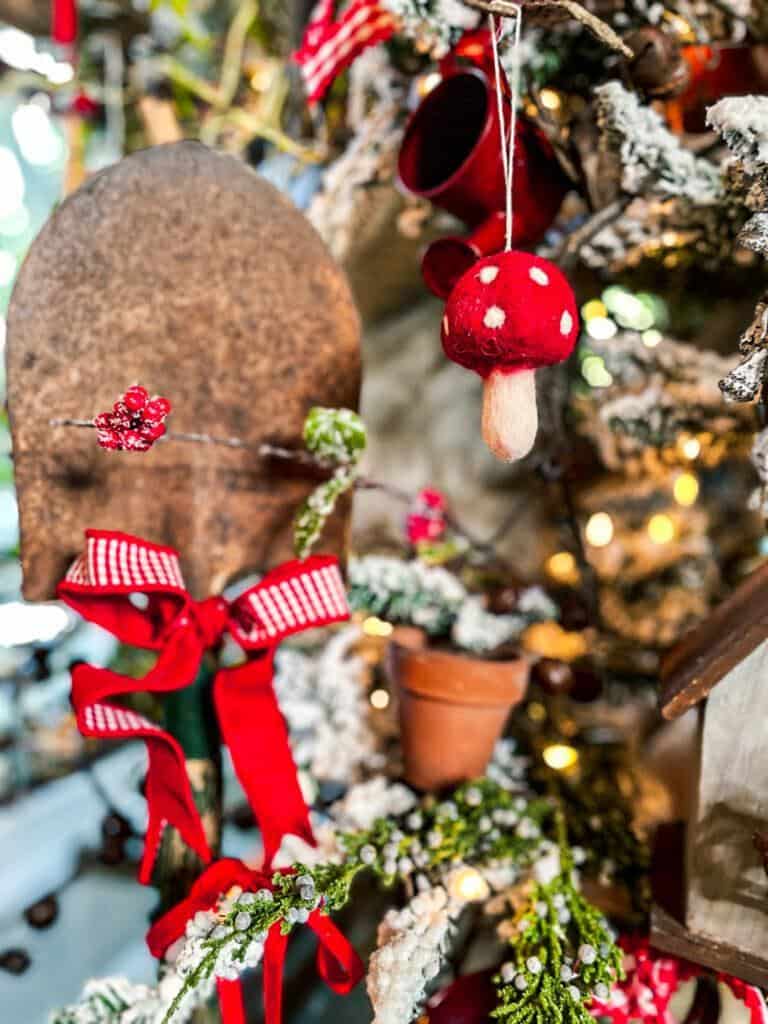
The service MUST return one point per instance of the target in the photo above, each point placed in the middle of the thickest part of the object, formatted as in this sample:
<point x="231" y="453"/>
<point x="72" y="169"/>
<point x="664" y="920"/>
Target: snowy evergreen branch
<point x="742" y="122"/>
<point x="437" y="601"/>
<point x="652" y="158"/>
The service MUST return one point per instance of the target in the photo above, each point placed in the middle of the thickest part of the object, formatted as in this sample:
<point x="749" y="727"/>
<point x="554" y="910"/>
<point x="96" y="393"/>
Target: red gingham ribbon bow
<point x="329" y="46"/>
<point x="651" y="980"/>
<point x="294" y="597"/>
<point x="337" y="962"/>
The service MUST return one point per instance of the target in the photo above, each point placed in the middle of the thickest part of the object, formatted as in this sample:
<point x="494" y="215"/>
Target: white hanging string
<point x="507" y="147"/>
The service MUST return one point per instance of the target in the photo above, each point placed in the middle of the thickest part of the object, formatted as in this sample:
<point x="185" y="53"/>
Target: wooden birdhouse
<point x="721" y="667"/>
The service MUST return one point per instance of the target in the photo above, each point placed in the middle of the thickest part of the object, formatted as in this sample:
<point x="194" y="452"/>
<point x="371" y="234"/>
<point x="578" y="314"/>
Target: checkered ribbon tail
<point x="329" y="46"/>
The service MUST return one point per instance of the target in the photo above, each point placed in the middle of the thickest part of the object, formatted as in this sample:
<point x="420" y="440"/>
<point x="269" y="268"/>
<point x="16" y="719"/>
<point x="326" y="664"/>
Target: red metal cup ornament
<point x="451" y="155"/>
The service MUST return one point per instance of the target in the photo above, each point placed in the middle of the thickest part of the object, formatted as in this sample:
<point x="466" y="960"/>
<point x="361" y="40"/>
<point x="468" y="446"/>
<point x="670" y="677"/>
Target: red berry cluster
<point x="425" y="521"/>
<point x="135" y="423"/>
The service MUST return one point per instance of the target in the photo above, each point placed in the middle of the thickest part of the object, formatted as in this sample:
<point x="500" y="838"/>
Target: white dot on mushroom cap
<point x="538" y="275"/>
<point x="494" y="316"/>
<point x="488" y="274"/>
<point x="566" y="322"/>
<point x="445" y="324"/>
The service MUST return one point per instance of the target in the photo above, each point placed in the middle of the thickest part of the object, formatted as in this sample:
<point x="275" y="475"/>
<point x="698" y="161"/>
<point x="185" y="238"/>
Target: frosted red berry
<point x="154" y="431"/>
<point x="136" y="398"/>
<point x="135" y="422"/>
<point x="109" y="439"/>
<point x="157" y="409"/>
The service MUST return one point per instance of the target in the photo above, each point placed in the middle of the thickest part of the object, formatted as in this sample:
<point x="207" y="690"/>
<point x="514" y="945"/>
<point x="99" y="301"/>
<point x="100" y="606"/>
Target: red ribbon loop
<point x="103" y="584"/>
<point x="330" y="45"/>
<point x="337" y="962"/>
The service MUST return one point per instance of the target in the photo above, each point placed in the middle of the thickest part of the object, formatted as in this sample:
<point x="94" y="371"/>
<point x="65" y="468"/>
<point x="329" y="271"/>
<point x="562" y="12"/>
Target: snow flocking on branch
<point x="322" y="698"/>
<point x="652" y="158"/>
<point x="742" y="122"/>
<point x="411" y="945"/>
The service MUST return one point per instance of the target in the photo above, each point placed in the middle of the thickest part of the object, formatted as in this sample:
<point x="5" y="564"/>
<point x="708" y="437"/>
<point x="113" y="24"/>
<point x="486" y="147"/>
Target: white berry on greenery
<point x="547" y="944"/>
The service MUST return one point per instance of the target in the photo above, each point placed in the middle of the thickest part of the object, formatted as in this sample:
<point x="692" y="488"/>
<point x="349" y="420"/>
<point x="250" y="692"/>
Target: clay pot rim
<point x="498" y="682"/>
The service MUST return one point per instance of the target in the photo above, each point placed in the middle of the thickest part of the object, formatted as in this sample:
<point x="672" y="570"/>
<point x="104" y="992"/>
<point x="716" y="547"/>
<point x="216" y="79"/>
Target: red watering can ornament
<point x="451" y="155"/>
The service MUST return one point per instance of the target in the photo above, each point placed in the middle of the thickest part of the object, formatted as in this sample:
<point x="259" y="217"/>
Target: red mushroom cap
<point x="511" y="311"/>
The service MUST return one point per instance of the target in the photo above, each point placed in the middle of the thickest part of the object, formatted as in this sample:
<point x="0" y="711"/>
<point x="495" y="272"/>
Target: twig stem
<point x="272" y="451"/>
<point x="596" y="26"/>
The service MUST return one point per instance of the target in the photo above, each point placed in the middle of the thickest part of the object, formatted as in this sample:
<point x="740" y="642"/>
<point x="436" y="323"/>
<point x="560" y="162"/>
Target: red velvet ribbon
<point x="337" y="962"/>
<point x="102" y="585"/>
<point x="64" y="21"/>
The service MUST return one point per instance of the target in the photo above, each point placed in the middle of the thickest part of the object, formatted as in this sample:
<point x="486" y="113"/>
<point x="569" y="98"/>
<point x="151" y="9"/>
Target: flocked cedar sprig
<point x="436" y="600"/>
<point x="110" y="1001"/>
<point x="564" y="955"/>
<point x="335" y="437"/>
<point x="481" y="823"/>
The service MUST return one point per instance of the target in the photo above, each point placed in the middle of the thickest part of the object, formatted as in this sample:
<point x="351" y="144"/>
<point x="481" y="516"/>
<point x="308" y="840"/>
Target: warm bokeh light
<point x="686" y="489"/>
<point x="373" y="626"/>
<point x="550" y="640"/>
<point x="560" y="756"/>
<point x="536" y="711"/>
<point x="661" y="529"/>
<point x="593" y="308"/>
<point x="379" y="699"/>
<point x="599" y="529"/>
<point x="467" y="885"/>
<point x="550" y="99"/>
<point x="562" y="567"/>
<point x="690" y="447"/>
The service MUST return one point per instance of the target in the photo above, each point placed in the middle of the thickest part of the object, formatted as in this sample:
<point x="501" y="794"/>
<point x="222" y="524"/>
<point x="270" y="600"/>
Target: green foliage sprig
<point x="564" y="954"/>
<point x="482" y="823"/>
<point x="336" y="437"/>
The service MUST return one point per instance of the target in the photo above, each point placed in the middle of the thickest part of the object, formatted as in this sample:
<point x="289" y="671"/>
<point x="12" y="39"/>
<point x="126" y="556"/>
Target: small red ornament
<point x="86" y="107"/>
<point x="508" y="315"/>
<point x="426" y="520"/>
<point x="451" y="155"/>
<point x="135" y="422"/>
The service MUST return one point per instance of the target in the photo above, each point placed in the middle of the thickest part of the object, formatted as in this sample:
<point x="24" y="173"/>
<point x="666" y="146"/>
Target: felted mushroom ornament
<point x="508" y="315"/>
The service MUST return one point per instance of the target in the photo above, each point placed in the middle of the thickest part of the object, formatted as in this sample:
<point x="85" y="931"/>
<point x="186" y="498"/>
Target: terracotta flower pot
<point x="453" y="708"/>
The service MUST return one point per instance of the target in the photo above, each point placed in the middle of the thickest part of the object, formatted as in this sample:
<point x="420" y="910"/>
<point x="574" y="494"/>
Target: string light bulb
<point x="379" y="699"/>
<point x="562" y="568"/>
<point x="550" y="99"/>
<point x="560" y="756"/>
<point x="690" y="447"/>
<point x="374" y="626"/>
<point x="661" y="529"/>
<point x="686" y="489"/>
<point x="550" y="640"/>
<point x="599" y="530"/>
<point x="467" y="885"/>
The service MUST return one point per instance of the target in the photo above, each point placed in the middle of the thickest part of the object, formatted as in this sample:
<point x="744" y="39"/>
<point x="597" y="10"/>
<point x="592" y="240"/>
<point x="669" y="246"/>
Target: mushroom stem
<point x="510" y="419"/>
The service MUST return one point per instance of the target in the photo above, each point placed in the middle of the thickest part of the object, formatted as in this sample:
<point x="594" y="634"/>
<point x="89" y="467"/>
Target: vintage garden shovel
<point x="182" y="270"/>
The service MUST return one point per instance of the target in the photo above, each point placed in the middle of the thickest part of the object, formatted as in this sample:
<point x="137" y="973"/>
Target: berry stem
<point x="271" y="451"/>
<point x="265" y="450"/>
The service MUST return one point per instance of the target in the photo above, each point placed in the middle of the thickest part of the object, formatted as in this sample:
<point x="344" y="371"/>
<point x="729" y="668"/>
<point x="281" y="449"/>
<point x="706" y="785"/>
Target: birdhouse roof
<point x="708" y="652"/>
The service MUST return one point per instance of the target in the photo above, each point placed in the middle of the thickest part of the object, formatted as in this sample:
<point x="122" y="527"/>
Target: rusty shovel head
<point x="179" y="269"/>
